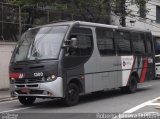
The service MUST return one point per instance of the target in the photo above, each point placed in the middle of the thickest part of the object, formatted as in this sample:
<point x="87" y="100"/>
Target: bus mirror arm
<point x="65" y="46"/>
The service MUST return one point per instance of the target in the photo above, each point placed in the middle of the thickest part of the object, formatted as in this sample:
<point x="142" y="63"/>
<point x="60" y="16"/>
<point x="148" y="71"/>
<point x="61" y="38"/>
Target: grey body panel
<point x="108" y="76"/>
<point x="119" y="71"/>
<point x="102" y="71"/>
<point x="90" y="67"/>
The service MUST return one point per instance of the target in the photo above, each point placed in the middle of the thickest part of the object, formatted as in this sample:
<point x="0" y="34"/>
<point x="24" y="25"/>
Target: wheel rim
<point x="72" y="94"/>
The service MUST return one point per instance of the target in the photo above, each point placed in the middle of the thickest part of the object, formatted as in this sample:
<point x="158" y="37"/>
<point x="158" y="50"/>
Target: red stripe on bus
<point x="14" y="75"/>
<point x="144" y="71"/>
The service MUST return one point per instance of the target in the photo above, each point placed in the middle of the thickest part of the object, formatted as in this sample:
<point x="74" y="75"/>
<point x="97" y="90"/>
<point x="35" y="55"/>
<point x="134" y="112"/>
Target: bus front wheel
<point x="26" y="100"/>
<point x="72" y="94"/>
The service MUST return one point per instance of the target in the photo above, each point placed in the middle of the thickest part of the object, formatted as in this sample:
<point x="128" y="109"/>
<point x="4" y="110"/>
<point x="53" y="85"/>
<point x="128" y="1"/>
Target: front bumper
<point x="46" y="89"/>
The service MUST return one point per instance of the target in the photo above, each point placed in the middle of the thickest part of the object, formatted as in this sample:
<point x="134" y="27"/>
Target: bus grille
<point x="34" y="80"/>
<point x="30" y="92"/>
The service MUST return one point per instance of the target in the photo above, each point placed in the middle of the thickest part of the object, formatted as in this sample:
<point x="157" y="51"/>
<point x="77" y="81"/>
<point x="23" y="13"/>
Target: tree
<point x="37" y="12"/>
<point x="90" y="10"/>
<point x="120" y="8"/>
<point x="141" y="4"/>
<point x="95" y="10"/>
<point x="9" y="21"/>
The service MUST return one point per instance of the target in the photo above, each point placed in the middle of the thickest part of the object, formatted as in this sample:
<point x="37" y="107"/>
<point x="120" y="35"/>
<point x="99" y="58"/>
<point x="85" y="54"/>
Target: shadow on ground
<point x="93" y="97"/>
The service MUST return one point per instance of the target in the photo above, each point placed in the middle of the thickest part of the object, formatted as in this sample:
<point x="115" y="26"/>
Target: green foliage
<point x="94" y="9"/>
<point x="141" y="2"/>
<point x="38" y="12"/>
<point x="22" y="2"/>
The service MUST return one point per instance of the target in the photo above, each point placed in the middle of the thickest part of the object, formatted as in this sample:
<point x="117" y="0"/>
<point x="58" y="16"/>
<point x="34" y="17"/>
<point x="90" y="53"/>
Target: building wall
<point x="148" y="23"/>
<point x="5" y="55"/>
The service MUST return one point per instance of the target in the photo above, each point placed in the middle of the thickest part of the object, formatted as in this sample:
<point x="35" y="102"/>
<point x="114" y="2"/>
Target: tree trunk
<point x="123" y="13"/>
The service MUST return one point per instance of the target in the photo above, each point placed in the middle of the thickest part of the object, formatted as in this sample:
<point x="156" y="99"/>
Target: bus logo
<point x="21" y="75"/>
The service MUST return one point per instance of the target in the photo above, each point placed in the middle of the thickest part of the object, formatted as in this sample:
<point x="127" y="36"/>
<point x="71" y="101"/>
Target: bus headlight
<point x="51" y="78"/>
<point x="12" y="80"/>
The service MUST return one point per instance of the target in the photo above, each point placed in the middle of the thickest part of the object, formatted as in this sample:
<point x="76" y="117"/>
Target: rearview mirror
<point x="71" y="43"/>
<point x="74" y="42"/>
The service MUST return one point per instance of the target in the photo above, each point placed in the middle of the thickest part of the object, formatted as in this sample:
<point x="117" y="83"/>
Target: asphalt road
<point x="90" y="106"/>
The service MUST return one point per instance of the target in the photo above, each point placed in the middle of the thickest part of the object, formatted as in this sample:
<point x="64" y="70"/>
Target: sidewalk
<point x="5" y="95"/>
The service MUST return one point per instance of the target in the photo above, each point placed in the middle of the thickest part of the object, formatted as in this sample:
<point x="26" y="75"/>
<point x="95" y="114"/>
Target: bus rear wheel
<point x="72" y="94"/>
<point x="26" y="100"/>
<point x="132" y="86"/>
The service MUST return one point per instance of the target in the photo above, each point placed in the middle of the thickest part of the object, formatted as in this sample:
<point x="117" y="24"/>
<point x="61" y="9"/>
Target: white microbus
<point x="66" y="59"/>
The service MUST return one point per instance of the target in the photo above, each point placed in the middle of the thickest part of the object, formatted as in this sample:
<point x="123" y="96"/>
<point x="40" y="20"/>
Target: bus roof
<point x="83" y="23"/>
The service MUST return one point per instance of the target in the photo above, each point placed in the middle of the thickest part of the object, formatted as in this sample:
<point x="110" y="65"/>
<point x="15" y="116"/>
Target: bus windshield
<point x="40" y="43"/>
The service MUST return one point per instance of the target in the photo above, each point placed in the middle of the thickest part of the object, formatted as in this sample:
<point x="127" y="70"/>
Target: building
<point x="5" y="51"/>
<point x="143" y="17"/>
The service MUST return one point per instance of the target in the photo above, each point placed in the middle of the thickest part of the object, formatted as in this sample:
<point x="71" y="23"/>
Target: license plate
<point x="25" y="90"/>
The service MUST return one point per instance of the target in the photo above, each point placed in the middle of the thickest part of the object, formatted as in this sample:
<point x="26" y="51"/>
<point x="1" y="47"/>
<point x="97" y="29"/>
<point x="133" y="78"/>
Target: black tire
<point x="72" y="95"/>
<point x="26" y="100"/>
<point x="132" y="86"/>
<point x="124" y="89"/>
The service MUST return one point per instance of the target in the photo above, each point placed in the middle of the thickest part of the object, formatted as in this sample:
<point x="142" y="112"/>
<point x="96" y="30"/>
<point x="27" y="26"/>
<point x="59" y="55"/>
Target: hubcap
<point x="72" y="94"/>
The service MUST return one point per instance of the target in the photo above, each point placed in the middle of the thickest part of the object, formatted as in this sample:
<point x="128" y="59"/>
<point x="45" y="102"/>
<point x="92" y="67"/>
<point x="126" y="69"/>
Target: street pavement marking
<point x="154" y="104"/>
<point x="150" y="102"/>
<point x="8" y="101"/>
<point x="138" y="107"/>
<point x="16" y="110"/>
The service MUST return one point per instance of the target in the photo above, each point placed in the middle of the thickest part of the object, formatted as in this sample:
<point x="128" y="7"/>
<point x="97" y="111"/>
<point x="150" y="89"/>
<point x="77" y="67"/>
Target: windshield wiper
<point x="18" y="46"/>
<point x="28" y="61"/>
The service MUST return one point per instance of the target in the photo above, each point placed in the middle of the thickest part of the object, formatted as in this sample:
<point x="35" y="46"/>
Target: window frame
<point x="82" y="34"/>
<point x="113" y="40"/>
<point x="138" y="33"/>
<point x="131" y="46"/>
<point x="157" y="14"/>
<point x="149" y="38"/>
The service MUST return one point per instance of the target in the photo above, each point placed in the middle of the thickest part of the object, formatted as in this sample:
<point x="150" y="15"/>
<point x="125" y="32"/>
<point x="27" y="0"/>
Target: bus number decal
<point x="38" y="74"/>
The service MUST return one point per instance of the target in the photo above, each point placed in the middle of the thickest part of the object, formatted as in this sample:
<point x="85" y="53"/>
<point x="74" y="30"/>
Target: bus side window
<point x="149" y="43"/>
<point x="157" y="46"/>
<point x="84" y="42"/>
<point x="105" y="41"/>
<point x="123" y="43"/>
<point x="142" y="37"/>
<point x="138" y="43"/>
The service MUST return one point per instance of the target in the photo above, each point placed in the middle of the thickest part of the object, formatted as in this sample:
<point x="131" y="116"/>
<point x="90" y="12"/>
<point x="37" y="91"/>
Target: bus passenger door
<point x="79" y="63"/>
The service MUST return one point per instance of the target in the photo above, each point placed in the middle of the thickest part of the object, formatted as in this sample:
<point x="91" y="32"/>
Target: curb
<point x="7" y="99"/>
